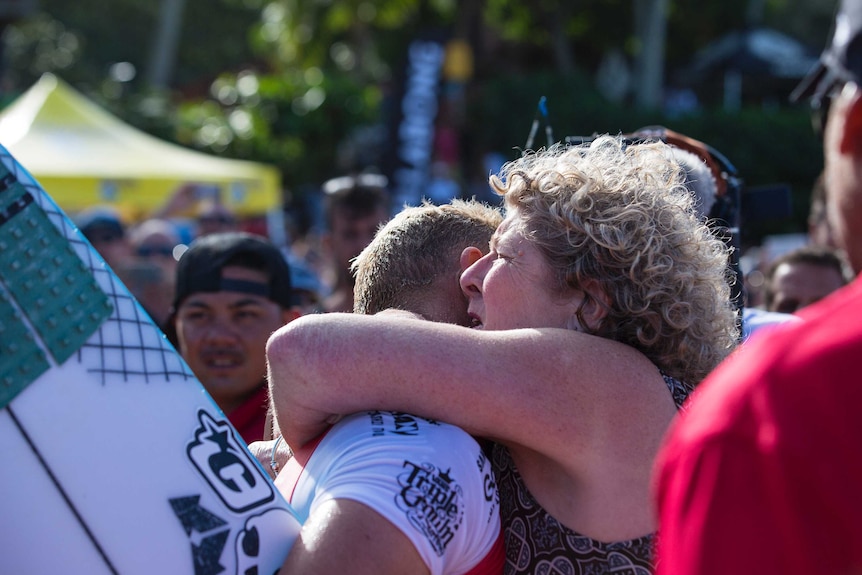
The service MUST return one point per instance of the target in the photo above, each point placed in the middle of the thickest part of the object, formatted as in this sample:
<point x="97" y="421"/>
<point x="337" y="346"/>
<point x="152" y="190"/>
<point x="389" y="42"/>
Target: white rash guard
<point x="429" y="479"/>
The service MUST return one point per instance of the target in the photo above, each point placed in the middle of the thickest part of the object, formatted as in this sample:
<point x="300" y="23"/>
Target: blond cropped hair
<point x="618" y="219"/>
<point x="416" y="247"/>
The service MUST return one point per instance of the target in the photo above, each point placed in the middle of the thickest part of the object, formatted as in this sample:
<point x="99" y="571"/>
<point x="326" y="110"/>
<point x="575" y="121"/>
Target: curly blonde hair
<point x="618" y="219"/>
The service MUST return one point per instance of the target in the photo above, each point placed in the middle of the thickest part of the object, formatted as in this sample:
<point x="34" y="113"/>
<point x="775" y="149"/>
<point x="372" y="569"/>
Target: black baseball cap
<point x="841" y="61"/>
<point x="200" y="267"/>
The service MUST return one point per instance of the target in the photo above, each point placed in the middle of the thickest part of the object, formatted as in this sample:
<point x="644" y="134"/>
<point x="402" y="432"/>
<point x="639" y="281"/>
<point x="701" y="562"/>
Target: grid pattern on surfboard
<point x="128" y="346"/>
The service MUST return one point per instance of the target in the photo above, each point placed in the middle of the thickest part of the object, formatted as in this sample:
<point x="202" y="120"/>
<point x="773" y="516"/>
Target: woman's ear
<point x="593" y="307"/>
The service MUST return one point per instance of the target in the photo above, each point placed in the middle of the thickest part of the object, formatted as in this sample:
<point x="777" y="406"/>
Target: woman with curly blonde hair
<point x="617" y="221"/>
<point x="602" y="302"/>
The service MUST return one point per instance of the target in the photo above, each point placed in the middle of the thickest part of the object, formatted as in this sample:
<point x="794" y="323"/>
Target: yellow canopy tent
<point x="84" y="156"/>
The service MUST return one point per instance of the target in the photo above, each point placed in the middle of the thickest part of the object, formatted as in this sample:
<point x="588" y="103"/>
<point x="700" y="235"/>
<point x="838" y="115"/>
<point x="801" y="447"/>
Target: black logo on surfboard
<point x="227" y="466"/>
<point x="207" y="532"/>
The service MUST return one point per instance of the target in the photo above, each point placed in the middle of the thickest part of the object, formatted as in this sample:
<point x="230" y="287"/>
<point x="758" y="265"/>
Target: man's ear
<point x="851" y="129"/>
<point x="470" y="256"/>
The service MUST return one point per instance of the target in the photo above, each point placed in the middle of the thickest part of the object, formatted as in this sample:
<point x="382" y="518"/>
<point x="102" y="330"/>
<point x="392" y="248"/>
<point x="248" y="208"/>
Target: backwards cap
<point x="200" y="267"/>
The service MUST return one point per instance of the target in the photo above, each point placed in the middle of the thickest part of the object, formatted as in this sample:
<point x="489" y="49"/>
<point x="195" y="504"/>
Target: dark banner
<point x="416" y="102"/>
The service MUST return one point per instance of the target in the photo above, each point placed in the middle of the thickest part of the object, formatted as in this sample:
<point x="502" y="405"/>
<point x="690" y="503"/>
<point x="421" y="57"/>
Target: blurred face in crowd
<point x="157" y="248"/>
<point x="214" y="218"/>
<point x="843" y="155"/>
<point x="350" y="233"/>
<point x="798" y="284"/>
<point x="222" y="336"/>
<point x="111" y="244"/>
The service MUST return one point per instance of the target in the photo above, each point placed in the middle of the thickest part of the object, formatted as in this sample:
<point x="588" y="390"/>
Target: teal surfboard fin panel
<point x="21" y="358"/>
<point x="50" y="285"/>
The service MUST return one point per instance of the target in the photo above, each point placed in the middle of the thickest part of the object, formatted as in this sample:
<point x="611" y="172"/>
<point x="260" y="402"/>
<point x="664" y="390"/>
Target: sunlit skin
<point x="222" y="336"/>
<point x="843" y="171"/>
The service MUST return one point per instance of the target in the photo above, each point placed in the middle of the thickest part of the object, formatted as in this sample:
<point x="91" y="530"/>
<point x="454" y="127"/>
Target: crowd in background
<point x="593" y="290"/>
<point x="144" y="253"/>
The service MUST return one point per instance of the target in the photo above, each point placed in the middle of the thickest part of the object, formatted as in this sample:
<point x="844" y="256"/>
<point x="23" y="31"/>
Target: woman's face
<point x="513" y="285"/>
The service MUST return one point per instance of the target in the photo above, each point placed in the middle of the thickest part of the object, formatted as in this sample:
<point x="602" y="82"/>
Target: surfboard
<point x="116" y="460"/>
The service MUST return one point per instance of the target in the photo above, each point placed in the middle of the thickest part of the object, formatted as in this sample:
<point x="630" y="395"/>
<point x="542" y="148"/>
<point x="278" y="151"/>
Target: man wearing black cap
<point x="761" y="474"/>
<point x="233" y="291"/>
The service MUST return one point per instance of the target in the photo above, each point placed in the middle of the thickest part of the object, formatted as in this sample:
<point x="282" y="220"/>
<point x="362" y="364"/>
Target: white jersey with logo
<point x="429" y="479"/>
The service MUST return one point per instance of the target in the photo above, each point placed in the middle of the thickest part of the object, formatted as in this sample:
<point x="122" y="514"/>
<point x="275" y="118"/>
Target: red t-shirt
<point x="762" y="474"/>
<point x="250" y="417"/>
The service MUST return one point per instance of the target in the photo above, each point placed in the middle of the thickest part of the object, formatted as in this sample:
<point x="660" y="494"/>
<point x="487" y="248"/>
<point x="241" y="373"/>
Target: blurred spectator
<point x="442" y="186"/>
<point x="355" y="206"/>
<point x="703" y="177"/>
<point x="213" y="217"/>
<point x="156" y="247"/>
<point x="752" y="265"/>
<point x="308" y="290"/>
<point x="202" y="202"/>
<point x="105" y="230"/>
<point x="803" y="276"/>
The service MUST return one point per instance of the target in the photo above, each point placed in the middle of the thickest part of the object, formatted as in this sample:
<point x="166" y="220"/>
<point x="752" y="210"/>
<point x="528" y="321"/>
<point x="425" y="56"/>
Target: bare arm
<point x="345" y="536"/>
<point x="536" y="387"/>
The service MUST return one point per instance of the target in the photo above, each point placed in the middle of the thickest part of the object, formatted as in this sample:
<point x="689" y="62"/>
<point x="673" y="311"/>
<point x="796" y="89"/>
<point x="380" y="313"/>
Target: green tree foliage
<point x="299" y="121"/>
<point x="307" y="84"/>
<point x="309" y="107"/>
<point x="82" y="40"/>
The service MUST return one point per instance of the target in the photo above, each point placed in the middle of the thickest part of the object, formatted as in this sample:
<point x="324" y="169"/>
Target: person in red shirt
<point x="760" y="474"/>
<point x="233" y="291"/>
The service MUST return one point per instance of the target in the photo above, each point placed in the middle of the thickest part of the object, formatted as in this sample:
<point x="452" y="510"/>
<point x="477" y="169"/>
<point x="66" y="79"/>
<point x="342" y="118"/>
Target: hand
<point x="263" y="452"/>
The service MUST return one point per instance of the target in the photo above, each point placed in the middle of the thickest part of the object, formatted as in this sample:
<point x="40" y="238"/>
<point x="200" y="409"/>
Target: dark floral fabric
<point x="538" y="544"/>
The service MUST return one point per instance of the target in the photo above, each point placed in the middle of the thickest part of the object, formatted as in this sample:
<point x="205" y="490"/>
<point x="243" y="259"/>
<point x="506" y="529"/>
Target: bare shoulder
<point x="345" y="536"/>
